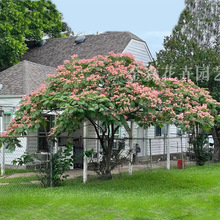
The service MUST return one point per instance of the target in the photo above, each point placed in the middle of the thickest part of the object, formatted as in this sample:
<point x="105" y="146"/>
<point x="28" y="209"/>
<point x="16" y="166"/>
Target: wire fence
<point x="23" y="165"/>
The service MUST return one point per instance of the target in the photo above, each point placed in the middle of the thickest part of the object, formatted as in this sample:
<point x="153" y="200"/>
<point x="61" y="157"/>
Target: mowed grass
<point x="193" y="193"/>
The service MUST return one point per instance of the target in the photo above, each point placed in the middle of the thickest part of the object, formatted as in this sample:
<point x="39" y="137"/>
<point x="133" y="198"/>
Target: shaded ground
<point x="79" y="172"/>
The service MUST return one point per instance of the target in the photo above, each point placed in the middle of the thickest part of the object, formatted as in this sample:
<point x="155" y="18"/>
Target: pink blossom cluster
<point x="113" y="88"/>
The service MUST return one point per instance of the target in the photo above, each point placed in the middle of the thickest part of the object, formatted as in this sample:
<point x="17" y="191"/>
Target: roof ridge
<point x="38" y="64"/>
<point x="25" y="80"/>
<point x="130" y="34"/>
<point x="11" y="67"/>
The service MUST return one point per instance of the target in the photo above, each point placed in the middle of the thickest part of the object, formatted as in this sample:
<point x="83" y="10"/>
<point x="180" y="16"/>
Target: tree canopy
<point x="26" y="20"/>
<point x="113" y="90"/>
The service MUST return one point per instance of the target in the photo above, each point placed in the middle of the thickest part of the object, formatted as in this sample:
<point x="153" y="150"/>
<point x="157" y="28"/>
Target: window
<point x="158" y="131"/>
<point x="6" y="120"/>
<point x="118" y="133"/>
<point x="43" y="132"/>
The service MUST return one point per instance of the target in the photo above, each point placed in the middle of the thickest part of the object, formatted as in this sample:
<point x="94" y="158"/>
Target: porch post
<point x="56" y="140"/>
<point x="98" y="147"/>
<point x="85" y="161"/>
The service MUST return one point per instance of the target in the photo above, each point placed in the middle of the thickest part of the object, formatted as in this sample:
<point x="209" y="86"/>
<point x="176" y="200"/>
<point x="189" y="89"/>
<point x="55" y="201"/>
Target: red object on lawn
<point x="180" y="163"/>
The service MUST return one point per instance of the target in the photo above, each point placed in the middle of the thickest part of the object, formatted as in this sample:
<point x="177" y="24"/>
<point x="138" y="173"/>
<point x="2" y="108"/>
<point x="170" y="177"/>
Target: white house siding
<point x="139" y="50"/>
<point x="158" y="144"/>
<point x="32" y="142"/>
<point x="143" y="137"/>
<point x="91" y="143"/>
<point x="18" y="152"/>
<point x="8" y="104"/>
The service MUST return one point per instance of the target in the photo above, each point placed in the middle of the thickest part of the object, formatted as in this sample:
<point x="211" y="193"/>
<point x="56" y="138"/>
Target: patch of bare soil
<point x="15" y="175"/>
<point x="3" y="184"/>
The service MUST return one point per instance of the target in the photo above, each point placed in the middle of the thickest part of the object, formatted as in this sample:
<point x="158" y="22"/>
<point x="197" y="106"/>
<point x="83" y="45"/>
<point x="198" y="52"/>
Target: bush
<point x="50" y="176"/>
<point x="202" y="152"/>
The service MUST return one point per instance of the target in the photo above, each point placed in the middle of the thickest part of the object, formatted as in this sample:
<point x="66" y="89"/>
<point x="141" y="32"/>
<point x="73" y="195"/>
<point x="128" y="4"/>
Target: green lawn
<point x="193" y="193"/>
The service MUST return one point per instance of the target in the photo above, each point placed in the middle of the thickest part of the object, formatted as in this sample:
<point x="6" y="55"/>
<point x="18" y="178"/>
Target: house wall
<point x="92" y="143"/>
<point x="141" y="139"/>
<point x="158" y="143"/>
<point x="32" y="142"/>
<point x="139" y="50"/>
<point x="14" y="154"/>
<point x="8" y="104"/>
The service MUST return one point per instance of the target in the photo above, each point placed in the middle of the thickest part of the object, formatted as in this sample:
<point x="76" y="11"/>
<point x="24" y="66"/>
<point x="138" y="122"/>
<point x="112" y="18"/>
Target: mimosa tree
<point x="113" y="90"/>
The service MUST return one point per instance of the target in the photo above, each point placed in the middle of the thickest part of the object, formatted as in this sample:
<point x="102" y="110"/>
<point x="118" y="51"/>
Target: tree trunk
<point x="107" y="174"/>
<point x="108" y="155"/>
<point x="216" y="138"/>
<point x="130" y="134"/>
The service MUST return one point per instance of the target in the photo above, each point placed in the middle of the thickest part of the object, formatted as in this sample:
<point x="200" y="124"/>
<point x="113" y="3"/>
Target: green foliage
<point x="60" y="164"/>
<point x="202" y="151"/>
<point x="192" y="50"/>
<point x="109" y="92"/>
<point x="26" y="20"/>
<point x="50" y="176"/>
<point x="10" y="143"/>
<point x="89" y="153"/>
<point x="25" y="159"/>
<point x="118" y="157"/>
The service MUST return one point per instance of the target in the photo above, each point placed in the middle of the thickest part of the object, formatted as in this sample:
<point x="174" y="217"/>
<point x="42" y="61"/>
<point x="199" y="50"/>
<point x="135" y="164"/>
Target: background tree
<point x="26" y="20"/>
<point x="192" y="51"/>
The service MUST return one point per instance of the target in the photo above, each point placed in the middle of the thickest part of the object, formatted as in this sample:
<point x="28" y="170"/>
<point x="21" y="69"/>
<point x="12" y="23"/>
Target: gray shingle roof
<point x="56" y="50"/>
<point x="37" y="62"/>
<point x="23" y="78"/>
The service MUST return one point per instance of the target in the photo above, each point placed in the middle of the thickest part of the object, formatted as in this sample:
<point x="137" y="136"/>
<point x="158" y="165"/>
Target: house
<point x="42" y="59"/>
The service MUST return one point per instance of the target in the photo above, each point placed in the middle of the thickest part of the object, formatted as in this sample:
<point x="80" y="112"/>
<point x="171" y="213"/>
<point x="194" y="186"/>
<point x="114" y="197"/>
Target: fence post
<point x="131" y="150"/>
<point x="51" y="164"/>
<point x="85" y="162"/>
<point x="164" y="146"/>
<point x="3" y="160"/>
<point x="150" y="154"/>
<point x="168" y="147"/>
<point x="181" y="142"/>
<point x="56" y="145"/>
<point x="145" y="139"/>
<point x="2" y="151"/>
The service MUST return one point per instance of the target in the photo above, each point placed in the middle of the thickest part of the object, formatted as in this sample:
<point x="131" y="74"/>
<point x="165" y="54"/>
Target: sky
<point x="151" y="20"/>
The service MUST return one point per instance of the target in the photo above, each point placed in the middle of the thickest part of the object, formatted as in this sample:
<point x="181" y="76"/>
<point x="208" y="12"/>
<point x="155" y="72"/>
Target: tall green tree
<point x="26" y="20"/>
<point x="192" y="51"/>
